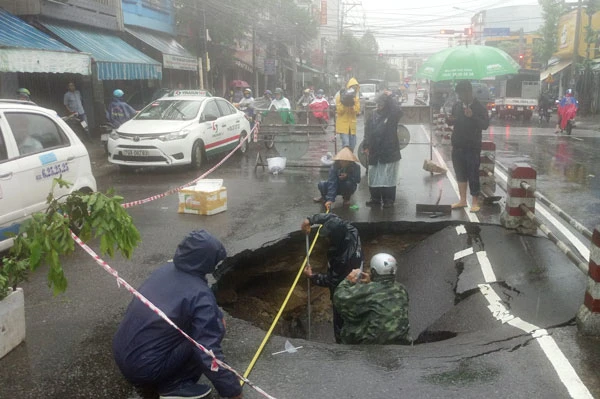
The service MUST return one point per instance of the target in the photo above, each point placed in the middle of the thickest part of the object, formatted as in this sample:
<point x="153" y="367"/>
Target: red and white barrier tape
<point x="175" y="190"/>
<point x="120" y="282"/>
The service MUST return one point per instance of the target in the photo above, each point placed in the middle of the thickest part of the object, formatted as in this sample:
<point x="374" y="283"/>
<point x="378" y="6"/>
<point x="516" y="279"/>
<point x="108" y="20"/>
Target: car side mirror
<point x="209" y="118"/>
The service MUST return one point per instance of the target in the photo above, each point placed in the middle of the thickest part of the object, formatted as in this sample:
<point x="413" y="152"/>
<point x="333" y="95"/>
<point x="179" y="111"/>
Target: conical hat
<point x="345" y="154"/>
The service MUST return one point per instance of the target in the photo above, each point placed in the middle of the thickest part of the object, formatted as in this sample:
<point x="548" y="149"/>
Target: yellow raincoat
<point x="346" y="116"/>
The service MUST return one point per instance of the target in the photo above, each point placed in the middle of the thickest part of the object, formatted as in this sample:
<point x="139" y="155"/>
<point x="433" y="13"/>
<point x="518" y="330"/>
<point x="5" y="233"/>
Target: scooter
<point x="106" y="129"/>
<point x="544" y="115"/>
<point x="79" y="126"/>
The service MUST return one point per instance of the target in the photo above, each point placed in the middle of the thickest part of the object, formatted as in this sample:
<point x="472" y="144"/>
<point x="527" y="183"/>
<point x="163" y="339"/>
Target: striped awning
<point x="24" y="48"/>
<point x="175" y="56"/>
<point x="114" y="58"/>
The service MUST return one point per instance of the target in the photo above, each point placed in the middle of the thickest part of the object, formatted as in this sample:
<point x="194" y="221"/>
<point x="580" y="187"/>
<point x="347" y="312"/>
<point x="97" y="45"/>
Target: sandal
<point x="475" y="209"/>
<point x="458" y="205"/>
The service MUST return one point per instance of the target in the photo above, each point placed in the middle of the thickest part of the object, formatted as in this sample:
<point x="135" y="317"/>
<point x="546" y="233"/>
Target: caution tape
<point x="215" y="364"/>
<point x="175" y="190"/>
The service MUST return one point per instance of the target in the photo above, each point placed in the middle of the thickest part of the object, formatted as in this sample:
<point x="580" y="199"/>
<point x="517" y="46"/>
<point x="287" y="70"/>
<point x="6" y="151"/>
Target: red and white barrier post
<point x="588" y="317"/>
<point x="512" y="216"/>
<point x="487" y="162"/>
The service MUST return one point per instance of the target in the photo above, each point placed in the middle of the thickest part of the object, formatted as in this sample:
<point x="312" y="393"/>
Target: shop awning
<point x="554" y="69"/>
<point x="175" y="56"/>
<point x="24" y="48"/>
<point x="115" y="59"/>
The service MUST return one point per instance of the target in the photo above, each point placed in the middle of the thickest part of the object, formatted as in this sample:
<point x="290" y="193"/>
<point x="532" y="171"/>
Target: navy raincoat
<point x="149" y="351"/>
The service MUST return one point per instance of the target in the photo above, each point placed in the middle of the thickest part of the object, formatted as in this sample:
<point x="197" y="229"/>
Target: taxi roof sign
<point x="183" y="93"/>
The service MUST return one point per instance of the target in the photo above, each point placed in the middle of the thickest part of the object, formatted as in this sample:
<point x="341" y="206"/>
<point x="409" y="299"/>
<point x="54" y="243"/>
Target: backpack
<point x="347" y="97"/>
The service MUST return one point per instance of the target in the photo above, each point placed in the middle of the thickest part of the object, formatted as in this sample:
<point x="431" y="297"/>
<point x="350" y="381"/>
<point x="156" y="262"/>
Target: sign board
<point x="181" y="63"/>
<point x="323" y="12"/>
<point x="179" y="93"/>
<point x="494" y="32"/>
<point x="270" y="66"/>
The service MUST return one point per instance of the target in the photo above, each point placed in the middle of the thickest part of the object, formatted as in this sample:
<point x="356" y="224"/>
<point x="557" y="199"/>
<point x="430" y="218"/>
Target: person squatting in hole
<point x="374" y="306"/>
<point x="154" y="356"/>
<point x="344" y="176"/>
<point x="344" y="254"/>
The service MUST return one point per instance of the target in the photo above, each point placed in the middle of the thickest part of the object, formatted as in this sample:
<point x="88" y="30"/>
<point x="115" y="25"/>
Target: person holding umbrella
<point x="469" y="117"/>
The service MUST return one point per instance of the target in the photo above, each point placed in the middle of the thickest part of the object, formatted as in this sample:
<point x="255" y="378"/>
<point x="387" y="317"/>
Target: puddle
<point x="252" y="285"/>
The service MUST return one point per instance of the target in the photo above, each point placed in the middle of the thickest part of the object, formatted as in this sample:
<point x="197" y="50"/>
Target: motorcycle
<point x="105" y="131"/>
<point x="79" y="126"/>
<point x="544" y="115"/>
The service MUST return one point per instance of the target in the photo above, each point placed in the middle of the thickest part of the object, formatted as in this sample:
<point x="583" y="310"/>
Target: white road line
<point x="463" y="253"/>
<point x="539" y="207"/>
<point x="561" y="364"/>
<point x="461" y="230"/>
<point x="486" y="267"/>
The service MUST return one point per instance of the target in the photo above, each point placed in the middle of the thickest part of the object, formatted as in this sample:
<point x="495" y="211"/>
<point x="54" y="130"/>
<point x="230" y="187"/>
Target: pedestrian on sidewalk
<point x="374" y="306"/>
<point x="469" y="117"/>
<point x="344" y="176"/>
<point x="344" y="255"/>
<point x="382" y="148"/>
<point x="154" y="356"/>
<point x="347" y="108"/>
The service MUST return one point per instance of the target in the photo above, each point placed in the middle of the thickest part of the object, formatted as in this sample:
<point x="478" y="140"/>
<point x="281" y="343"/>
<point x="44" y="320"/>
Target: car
<point x="367" y="93"/>
<point x="181" y="129"/>
<point x="36" y="146"/>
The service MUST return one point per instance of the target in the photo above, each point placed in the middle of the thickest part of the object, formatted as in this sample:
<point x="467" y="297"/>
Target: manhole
<point x="252" y="285"/>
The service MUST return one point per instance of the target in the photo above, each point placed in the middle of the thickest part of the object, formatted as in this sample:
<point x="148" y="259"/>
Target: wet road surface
<point x="67" y="351"/>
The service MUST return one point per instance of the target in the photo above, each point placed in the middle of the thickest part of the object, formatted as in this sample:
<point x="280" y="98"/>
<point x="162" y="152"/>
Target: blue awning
<point x="115" y="59"/>
<point x="24" y="48"/>
<point x="175" y="56"/>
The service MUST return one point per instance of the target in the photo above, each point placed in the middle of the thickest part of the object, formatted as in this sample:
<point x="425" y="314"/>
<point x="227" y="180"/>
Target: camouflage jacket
<point x="373" y="313"/>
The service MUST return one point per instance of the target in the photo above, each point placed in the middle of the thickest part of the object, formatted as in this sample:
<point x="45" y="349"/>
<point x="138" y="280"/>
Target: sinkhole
<point x="253" y="284"/>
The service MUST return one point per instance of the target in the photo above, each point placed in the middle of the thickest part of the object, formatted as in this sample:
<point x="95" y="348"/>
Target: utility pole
<point x="576" y="45"/>
<point x="344" y="12"/>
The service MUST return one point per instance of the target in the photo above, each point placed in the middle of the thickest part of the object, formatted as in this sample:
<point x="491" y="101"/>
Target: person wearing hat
<point x="382" y="148"/>
<point x="374" y="306"/>
<point x="320" y="108"/>
<point x="344" y="255"/>
<point x="282" y="105"/>
<point x="344" y="176"/>
<point x="154" y="356"/>
<point x="247" y="104"/>
<point x="119" y="111"/>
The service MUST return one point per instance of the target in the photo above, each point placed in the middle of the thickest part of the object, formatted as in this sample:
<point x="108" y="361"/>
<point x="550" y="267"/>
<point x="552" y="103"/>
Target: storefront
<point x="180" y="67"/>
<point x="28" y="58"/>
<point x="116" y="64"/>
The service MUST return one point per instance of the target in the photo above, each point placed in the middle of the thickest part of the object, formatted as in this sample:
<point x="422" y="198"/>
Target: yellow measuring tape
<point x="283" y="305"/>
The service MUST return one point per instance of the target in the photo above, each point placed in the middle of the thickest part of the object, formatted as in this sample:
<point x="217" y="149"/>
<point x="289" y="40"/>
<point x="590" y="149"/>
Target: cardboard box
<point x="207" y="197"/>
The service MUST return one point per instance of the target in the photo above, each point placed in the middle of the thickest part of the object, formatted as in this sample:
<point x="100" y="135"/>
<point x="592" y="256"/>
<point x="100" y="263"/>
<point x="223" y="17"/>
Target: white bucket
<point x="276" y="164"/>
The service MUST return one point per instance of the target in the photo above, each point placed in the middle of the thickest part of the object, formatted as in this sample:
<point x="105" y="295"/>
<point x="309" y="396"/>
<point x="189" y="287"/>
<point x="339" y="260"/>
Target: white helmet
<point x="383" y="264"/>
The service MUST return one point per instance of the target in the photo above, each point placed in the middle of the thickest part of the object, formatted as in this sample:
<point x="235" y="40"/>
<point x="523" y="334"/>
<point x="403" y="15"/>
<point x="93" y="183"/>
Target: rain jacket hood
<point x="352" y="82"/>
<point x="199" y="253"/>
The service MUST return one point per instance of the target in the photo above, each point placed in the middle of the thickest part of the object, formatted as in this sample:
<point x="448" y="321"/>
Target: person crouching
<point x="344" y="176"/>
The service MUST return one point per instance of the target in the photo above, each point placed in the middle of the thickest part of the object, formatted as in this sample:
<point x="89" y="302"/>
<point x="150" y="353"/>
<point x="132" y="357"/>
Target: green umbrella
<point x="467" y="62"/>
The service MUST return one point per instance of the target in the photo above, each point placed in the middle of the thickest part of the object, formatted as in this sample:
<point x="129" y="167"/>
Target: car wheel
<point x="197" y="155"/>
<point x="243" y="139"/>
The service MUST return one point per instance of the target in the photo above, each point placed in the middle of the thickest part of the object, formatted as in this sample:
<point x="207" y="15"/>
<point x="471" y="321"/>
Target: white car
<point x="178" y="130"/>
<point x="36" y="146"/>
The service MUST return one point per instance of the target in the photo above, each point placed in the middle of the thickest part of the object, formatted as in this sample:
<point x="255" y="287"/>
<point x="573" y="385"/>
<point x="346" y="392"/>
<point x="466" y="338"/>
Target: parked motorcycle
<point x="79" y="126"/>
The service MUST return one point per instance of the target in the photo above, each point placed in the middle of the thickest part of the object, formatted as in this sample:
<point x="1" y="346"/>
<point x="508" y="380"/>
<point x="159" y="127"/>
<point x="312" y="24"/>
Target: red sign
<point x="323" y="12"/>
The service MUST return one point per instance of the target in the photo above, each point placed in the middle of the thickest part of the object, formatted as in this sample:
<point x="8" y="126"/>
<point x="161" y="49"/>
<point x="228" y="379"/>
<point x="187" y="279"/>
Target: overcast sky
<point x="414" y="26"/>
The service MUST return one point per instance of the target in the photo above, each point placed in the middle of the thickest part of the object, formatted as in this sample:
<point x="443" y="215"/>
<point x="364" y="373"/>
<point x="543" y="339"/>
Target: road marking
<point x="463" y="253"/>
<point x="583" y="250"/>
<point x="461" y="230"/>
<point x="561" y="364"/>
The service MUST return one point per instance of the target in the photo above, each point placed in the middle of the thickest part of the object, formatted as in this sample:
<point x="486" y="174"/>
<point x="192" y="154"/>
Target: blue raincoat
<point x="150" y="352"/>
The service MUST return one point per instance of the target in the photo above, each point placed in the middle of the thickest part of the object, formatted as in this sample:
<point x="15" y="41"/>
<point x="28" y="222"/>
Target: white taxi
<point x="180" y="129"/>
<point x="35" y="147"/>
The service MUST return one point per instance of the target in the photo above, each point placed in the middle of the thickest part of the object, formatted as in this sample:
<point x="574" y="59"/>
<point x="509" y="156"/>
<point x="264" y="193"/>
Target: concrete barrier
<point x="487" y="163"/>
<point x="588" y="317"/>
<point x="512" y="216"/>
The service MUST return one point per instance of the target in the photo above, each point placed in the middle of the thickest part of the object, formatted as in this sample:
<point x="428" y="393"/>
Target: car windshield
<point x="367" y="88"/>
<point x="172" y="110"/>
